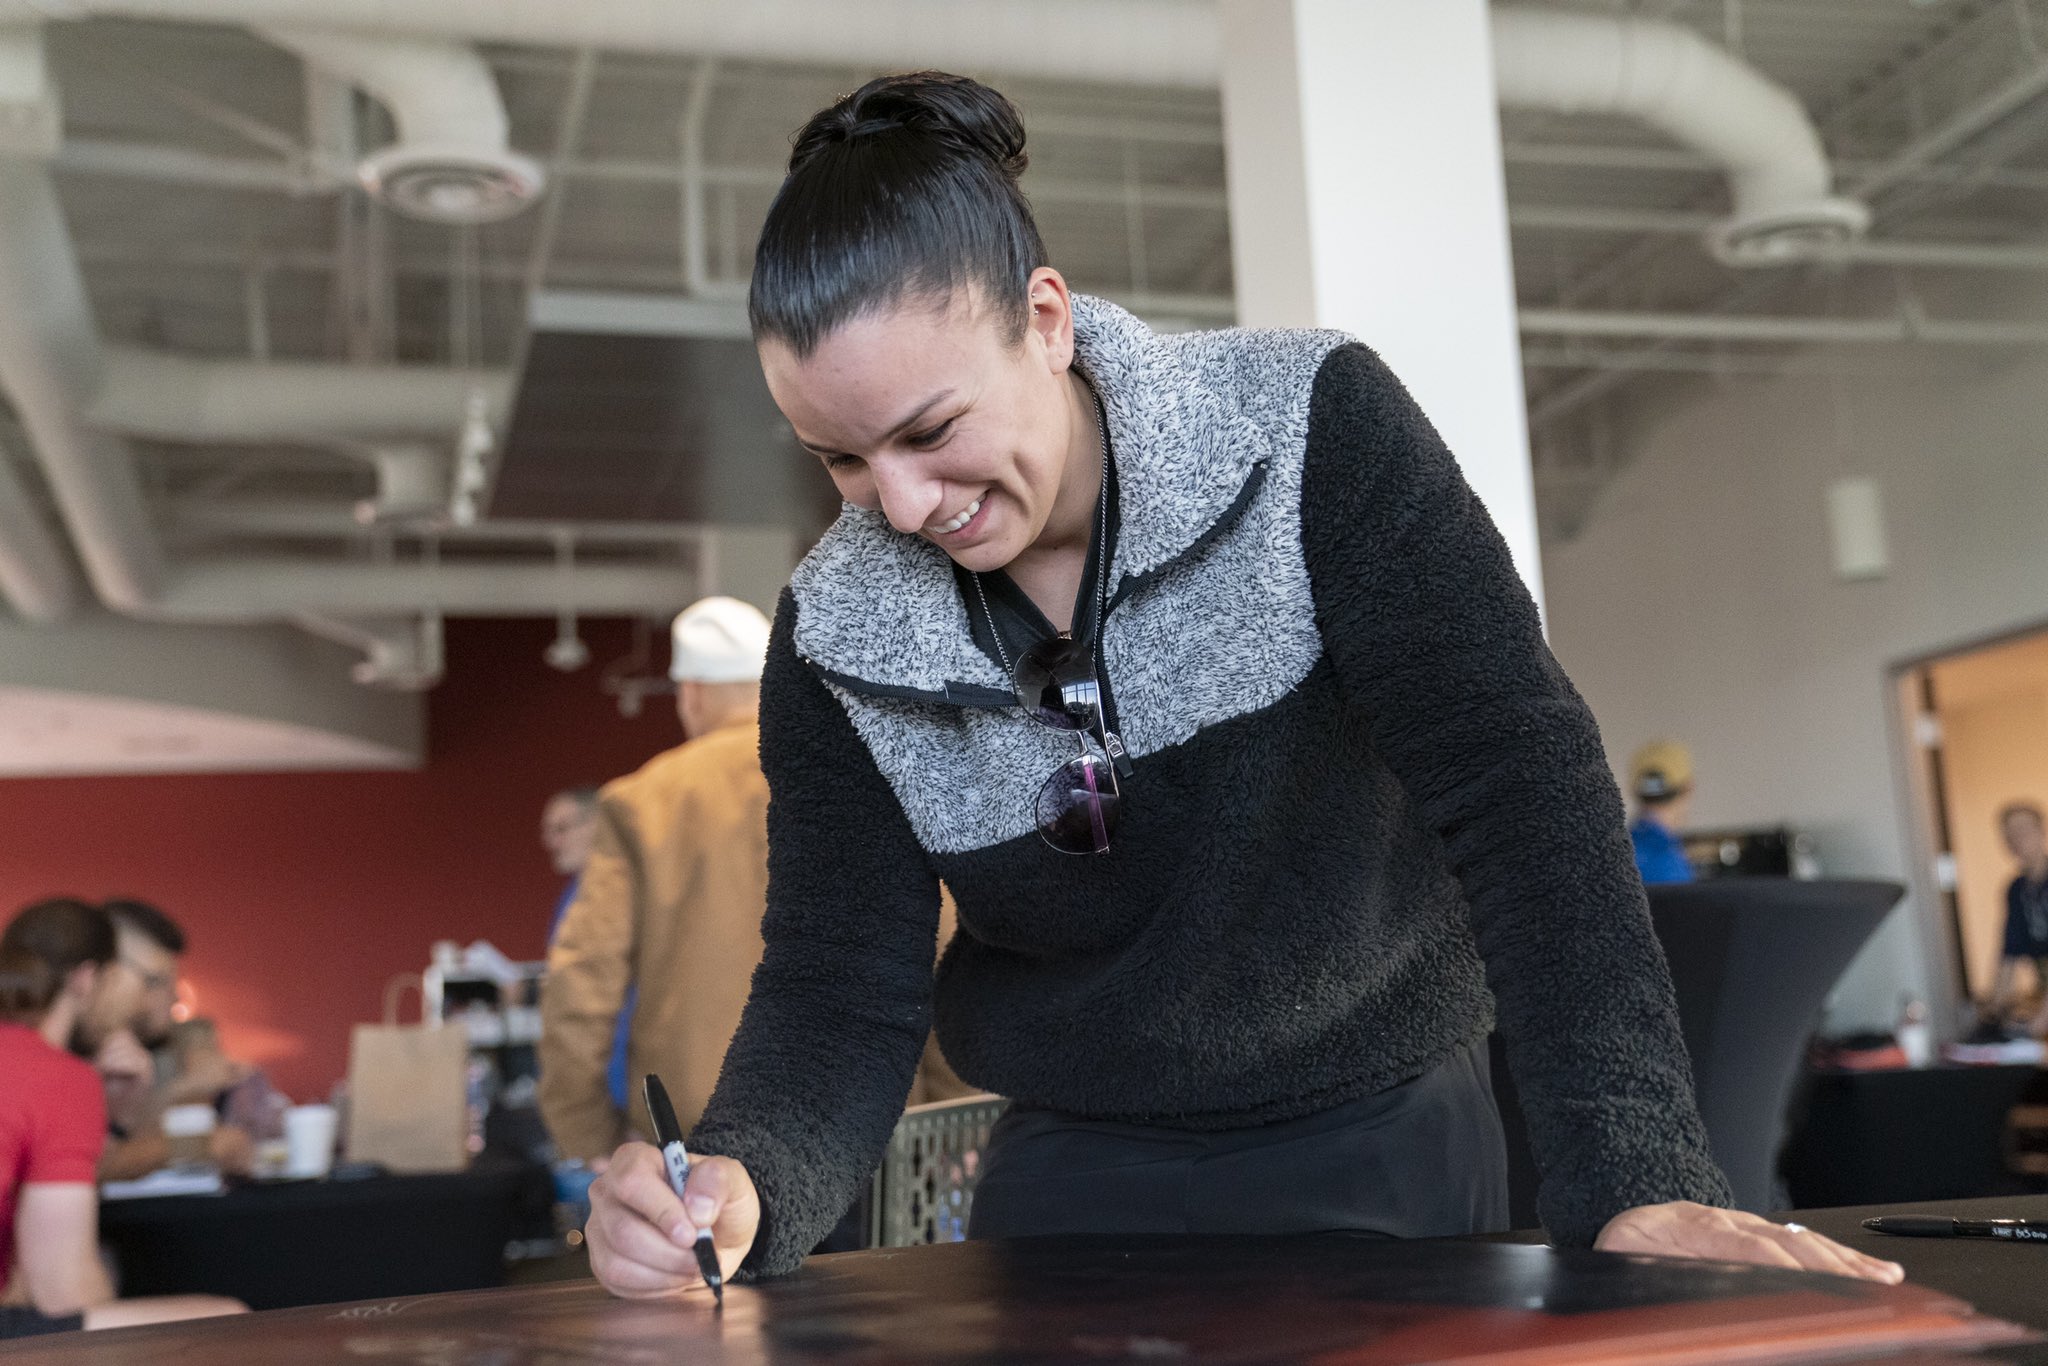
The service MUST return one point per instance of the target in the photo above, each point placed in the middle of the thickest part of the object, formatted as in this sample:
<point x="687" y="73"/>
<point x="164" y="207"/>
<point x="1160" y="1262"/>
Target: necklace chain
<point x="1101" y="542"/>
<point x="990" y="618"/>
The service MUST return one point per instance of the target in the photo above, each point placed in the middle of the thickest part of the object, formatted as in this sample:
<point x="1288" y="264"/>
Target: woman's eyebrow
<point x="909" y="421"/>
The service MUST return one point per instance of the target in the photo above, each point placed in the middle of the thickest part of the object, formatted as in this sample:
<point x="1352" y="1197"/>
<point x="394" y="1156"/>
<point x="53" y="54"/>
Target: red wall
<point x="301" y="894"/>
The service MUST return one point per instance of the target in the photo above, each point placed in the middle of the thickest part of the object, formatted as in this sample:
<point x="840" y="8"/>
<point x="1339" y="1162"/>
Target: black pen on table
<point x="1925" y="1226"/>
<point x="668" y="1136"/>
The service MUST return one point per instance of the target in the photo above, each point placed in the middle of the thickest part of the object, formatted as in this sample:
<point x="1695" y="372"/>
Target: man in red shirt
<point x="53" y="1122"/>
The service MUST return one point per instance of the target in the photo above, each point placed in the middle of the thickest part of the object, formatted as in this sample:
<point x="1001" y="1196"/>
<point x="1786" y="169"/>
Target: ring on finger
<point x="1797" y="1228"/>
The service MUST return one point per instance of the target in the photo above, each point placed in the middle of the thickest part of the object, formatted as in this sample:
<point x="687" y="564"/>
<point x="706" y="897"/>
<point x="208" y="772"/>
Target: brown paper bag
<point x="407" y="1092"/>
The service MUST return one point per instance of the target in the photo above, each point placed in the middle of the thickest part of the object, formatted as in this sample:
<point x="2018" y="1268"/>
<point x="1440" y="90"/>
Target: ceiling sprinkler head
<point x="452" y="184"/>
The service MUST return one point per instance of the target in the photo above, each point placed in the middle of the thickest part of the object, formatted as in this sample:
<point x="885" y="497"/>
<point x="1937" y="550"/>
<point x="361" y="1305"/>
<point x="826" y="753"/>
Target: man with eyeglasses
<point x="57" y="960"/>
<point x="133" y="1018"/>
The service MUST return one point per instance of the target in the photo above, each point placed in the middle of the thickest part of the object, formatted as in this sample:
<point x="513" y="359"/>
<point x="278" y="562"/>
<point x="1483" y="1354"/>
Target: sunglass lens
<point x="1056" y="683"/>
<point x="1078" y="806"/>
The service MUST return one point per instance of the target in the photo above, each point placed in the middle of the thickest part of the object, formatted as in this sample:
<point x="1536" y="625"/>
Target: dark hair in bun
<point x="905" y="188"/>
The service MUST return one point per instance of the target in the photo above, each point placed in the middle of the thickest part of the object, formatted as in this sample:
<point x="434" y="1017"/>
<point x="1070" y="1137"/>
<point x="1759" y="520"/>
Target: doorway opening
<point x="1976" y="735"/>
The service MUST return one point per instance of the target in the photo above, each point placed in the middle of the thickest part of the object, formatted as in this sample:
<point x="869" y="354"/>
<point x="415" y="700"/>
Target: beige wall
<point x="1993" y="706"/>
<point x="1700" y="603"/>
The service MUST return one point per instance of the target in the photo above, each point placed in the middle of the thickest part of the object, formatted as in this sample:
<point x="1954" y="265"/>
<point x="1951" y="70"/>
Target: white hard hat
<point x="718" y="640"/>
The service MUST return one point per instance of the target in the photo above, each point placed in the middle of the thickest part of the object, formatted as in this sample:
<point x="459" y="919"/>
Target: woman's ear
<point x="1052" y="317"/>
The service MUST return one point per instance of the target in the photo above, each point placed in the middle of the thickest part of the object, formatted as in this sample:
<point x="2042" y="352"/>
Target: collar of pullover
<point x="879" y="606"/>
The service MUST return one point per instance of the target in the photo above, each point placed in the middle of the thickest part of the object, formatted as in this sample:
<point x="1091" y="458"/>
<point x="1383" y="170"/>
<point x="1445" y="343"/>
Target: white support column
<point x="1362" y="142"/>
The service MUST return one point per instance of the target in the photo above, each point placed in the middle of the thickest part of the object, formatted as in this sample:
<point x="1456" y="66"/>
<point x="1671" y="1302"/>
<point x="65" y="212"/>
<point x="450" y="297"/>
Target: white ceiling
<point x="211" y="221"/>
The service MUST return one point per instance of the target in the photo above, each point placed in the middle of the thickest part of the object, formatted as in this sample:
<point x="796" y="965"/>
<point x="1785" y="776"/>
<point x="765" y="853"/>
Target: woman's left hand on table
<point x="1685" y="1229"/>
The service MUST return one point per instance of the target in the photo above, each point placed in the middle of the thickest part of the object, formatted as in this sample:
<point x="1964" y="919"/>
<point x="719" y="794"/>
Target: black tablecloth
<point x="2006" y="1280"/>
<point x="1873" y="1138"/>
<point x="318" y="1242"/>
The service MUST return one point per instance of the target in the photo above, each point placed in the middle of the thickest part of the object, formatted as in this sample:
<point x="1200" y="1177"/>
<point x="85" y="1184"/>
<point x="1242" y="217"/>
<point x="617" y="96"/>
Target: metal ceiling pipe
<point x="183" y="166"/>
<point x="1146" y="42"/>
<point x="452" y="162"/>
<point x="1994" y="256"/>
<point x="240" y="589"/>
<point x="51" y="366"/>
<point x="1949" y="255"/>
<point x="1669" y="77"/>
<point x="274" y="518"/>
<point x="182" y="398"/>
<point x="1905" y="328"/>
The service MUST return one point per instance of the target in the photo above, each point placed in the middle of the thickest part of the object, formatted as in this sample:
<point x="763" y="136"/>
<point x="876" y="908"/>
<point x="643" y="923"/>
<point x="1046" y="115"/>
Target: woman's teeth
<point x="948" y="528"/>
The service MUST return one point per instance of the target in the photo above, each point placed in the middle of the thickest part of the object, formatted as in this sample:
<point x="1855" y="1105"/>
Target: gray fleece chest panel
<point x="1216" y="618"/>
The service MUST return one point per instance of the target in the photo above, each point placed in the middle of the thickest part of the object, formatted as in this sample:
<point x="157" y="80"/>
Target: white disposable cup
<point x="189" y="1121"/>
<point x="187" y="1129"/>
<point x="309" y="1140"/>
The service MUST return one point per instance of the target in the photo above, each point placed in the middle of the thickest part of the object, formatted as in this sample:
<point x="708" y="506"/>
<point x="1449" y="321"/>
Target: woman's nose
<point x="909" y="499"/>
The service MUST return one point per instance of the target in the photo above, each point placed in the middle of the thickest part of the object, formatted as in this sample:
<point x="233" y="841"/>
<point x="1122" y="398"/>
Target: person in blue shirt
<point x="568" y="826"/>
<point x="1660" y="779"/>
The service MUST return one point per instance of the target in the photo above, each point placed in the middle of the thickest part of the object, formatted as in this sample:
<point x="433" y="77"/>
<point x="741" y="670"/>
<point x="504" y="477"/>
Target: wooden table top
<point x="1327" y="1298"/>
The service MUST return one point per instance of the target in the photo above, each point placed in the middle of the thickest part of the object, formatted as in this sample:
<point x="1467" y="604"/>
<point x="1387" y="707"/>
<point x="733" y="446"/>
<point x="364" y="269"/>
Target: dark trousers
<point x="1419" y="1160"/>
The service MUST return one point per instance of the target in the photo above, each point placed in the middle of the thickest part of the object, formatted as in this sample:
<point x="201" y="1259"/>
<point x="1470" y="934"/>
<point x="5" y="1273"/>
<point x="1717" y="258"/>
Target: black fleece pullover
<point x="1367" y="816"/>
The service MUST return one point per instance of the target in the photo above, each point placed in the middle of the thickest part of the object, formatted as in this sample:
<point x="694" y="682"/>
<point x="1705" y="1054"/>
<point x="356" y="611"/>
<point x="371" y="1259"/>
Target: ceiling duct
<point x="50" y="362"/>
<point x="52" y="366"/>
<point x="1669" y="77"/>
<point x="171" y="397"/>
<point x="1660" y="73"/>
<point x="54" y="369"/>
<point x="36" y="578"/>
<point x="451" y="163"/>
<point x="31" y="122"/>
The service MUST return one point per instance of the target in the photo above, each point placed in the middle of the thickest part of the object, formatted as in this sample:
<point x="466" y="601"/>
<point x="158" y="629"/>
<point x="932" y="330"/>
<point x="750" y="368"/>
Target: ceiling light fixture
<point x="566" y="652"/>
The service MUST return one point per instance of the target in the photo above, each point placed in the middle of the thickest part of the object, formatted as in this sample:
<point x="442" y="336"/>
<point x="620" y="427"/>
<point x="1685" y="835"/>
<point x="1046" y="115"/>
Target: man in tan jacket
<point x="671" y="899"/>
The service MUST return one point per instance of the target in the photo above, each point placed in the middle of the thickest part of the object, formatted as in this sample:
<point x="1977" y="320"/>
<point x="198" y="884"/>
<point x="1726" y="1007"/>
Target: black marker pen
<point x="1921" y="1226"/>
<point x="668" y="1136"/>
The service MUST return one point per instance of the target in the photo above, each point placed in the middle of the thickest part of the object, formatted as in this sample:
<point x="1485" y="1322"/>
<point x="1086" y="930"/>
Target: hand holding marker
<point x="668" y="1136"/>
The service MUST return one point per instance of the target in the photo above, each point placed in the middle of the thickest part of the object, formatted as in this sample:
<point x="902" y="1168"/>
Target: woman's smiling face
<point x="934" y="414"/>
